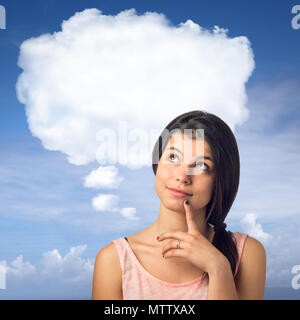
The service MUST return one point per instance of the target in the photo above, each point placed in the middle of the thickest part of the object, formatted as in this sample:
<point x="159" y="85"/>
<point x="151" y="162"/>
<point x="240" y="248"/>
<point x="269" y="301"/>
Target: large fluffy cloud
<point x="101" y="69"/>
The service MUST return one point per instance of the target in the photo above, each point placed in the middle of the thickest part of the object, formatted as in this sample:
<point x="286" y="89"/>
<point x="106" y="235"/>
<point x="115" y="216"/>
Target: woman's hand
<point x="193" y="246"/>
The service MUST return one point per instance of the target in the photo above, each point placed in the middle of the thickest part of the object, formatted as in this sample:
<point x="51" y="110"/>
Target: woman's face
<point x="185" y="169"/>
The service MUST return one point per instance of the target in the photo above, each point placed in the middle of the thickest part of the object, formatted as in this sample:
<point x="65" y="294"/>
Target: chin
<point x="174" y="205"/>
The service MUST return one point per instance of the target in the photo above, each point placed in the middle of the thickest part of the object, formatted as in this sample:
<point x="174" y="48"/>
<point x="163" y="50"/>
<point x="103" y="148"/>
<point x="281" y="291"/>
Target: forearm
<point x="221" y="283"/>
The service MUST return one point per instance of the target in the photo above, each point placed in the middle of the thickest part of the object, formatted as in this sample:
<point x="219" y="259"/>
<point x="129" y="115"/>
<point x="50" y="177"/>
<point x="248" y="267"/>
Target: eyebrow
<point x="205" y="157"/>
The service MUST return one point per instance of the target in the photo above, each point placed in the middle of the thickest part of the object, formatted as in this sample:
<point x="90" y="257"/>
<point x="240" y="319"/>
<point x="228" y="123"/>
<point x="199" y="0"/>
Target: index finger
<point x="192" y="227"/>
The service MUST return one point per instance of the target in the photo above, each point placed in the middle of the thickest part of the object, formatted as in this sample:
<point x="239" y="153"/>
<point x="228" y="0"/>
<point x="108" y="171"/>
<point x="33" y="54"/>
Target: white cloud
<point x="19" y="269"/>
<point x="254" y="228"/>
<point x="110" y="202"/>
<point x="69" y="269"/>
<point x="100" y="69"/>
<point x="129" y="213"/>
<point x="106" y="202"/>
<point x="52" y="262"/>
<point x="103" y="177"/>
<point x="53" y="268"/>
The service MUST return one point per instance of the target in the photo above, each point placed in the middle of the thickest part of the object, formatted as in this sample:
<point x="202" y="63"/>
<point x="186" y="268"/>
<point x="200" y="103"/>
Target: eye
<point x="202" y="167"/>
<point x="171" y="156"/>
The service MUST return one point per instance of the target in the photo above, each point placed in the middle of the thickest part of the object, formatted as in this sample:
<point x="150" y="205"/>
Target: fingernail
<point x="157" y="238"/>
<point x="187" y="202"/>
<point x="163" y="255"/>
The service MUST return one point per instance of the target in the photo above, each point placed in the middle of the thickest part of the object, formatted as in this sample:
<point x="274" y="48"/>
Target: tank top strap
<point x="124" y="255"/>
<point x="240" y="239"/>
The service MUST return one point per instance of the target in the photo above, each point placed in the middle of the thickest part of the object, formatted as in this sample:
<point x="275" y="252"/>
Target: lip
<point x="179" y="193"/>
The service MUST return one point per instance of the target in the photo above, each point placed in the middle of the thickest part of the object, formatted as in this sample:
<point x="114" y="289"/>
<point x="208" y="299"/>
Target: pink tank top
<point x="139" y="284"/>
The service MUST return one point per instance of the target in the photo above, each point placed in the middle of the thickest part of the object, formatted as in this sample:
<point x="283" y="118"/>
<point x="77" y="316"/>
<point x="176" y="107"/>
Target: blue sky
<point x="45" y="207"/>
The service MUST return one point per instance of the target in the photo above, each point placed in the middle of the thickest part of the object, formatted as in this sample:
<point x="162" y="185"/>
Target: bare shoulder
<point x="109" y="251"/>
<point x="253" y="247"/>
<point x="107" y="278"/>
<point x="251" y="275"/>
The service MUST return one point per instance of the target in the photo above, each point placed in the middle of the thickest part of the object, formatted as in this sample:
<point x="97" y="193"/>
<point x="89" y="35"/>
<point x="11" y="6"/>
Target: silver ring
<point x="178" y="244"/>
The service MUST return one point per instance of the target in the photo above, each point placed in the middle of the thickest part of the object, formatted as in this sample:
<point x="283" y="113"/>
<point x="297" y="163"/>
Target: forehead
<point x="184" y="142"/>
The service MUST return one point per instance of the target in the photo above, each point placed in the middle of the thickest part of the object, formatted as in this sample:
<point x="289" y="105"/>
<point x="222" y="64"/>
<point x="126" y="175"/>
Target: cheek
<point x="164" y="171"/>
<point x="205" y="186"/>
<point x="162" y="177"/>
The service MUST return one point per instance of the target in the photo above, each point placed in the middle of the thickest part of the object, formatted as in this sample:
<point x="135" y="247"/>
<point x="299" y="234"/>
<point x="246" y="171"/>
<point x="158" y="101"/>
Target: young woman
<point x="194" y="257"/>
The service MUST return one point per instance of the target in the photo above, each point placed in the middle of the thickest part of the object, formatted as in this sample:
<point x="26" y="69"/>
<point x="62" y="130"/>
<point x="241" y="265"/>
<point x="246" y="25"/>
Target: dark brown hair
<point x="227" y="166"/>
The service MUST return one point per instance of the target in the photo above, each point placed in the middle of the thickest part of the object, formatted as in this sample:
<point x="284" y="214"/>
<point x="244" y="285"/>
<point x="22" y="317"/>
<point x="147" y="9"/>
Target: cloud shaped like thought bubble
<point x="100" y="69"/>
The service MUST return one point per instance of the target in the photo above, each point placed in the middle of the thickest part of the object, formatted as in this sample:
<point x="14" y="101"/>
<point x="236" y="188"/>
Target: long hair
<point x="227" y="166"/>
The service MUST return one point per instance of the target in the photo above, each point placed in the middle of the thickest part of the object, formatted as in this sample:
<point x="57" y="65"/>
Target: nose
<point x="182" y="175"/>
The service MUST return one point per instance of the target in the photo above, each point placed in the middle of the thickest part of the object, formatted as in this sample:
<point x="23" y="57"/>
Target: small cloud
<point x="109" y="202"/>
<point x="253" y="228"/>
<point x="106" y="202"/>
<point x="103" y="177"/>
<point x="129" y="213"/>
